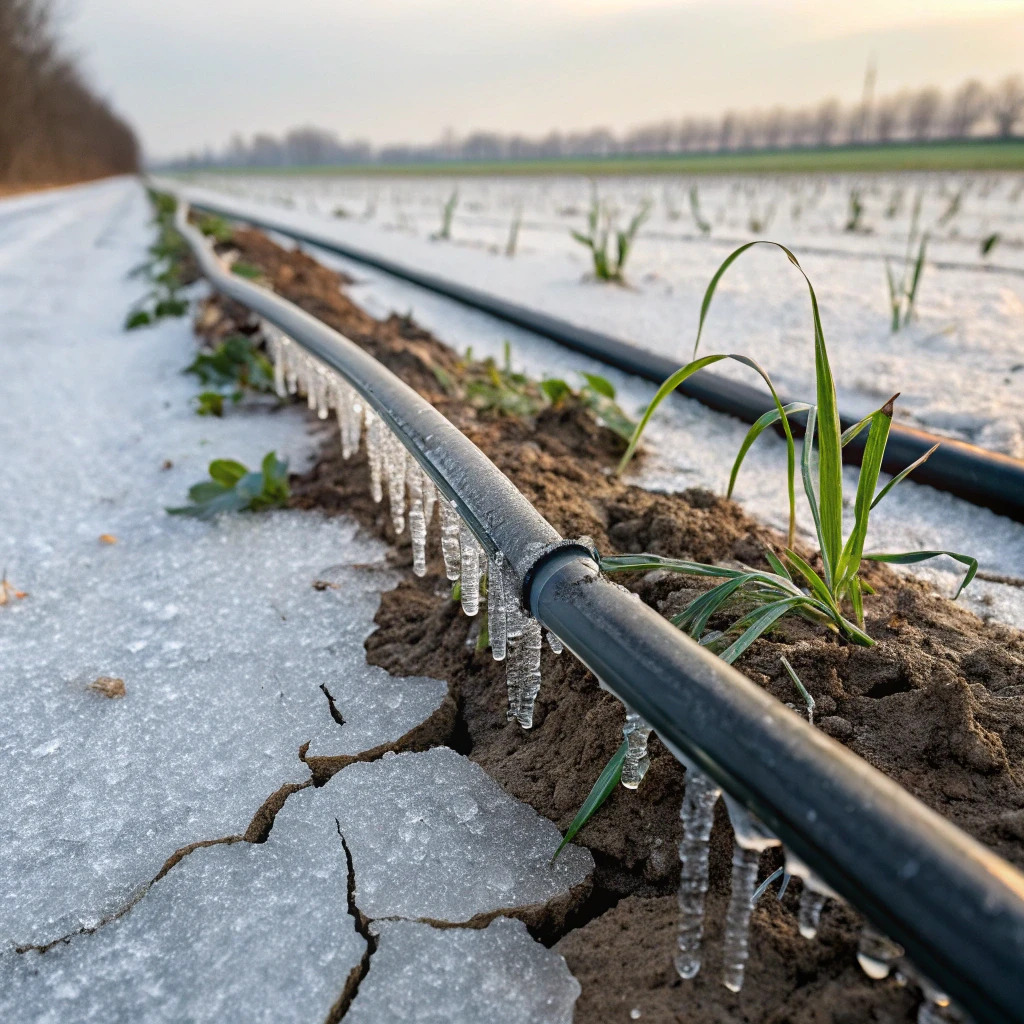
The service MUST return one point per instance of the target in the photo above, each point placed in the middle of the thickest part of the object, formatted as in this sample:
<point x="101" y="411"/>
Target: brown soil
<point x="938" y="704"/>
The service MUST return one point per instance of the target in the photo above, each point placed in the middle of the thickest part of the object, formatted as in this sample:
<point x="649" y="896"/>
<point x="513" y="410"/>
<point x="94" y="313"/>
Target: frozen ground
<point x="688" y="444"/>
<point x="222" y="645"/>
<point x="959" y="366"/>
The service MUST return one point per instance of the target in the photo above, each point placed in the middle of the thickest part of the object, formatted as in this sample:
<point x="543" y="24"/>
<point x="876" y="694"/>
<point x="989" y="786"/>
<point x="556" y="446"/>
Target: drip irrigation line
<point x="975" y="474"/>
<point x="956" y="907"/>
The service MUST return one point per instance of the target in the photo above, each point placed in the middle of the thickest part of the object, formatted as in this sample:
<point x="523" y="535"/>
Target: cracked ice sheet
<point x="433" y="836"/>
<point x="215" y="628"/>
<point x="233" y="932"/>
<point x="427" y="975"/>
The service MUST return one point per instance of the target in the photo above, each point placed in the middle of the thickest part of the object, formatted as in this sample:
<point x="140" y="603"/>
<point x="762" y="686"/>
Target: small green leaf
<point x="246" y="270"/>
<point x="227" y="471"/>
<point x="910" y="557"/>
<point x="602" y="789"/>
<point x="556" y="390"/>
<point x="600" y="385"/>
<point x="140" y="318"/>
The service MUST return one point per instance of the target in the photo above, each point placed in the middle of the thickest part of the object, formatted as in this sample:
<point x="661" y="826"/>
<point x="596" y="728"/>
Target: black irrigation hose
<point x="979" y="476"/>
<point x="956" y="907"/>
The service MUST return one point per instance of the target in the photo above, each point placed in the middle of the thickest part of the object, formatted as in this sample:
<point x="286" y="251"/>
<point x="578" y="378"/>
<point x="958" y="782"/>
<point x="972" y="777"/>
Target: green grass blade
<point x="602" y="789"/>
<point x="810" y="490"/>
<point x="830" y="469"/>
<point x="903" y="474"/>
<point x="801" y="689"/>
<point x="694" y="618"/>
<point x="910" y="557"/>
<point x="763" y="621"/>
<point x="776" y="563"/>
<point x="814" y="581"/>
<point x="646" y="562"/>
<point x="867" y="480"/>
<point x="771" y="417"/>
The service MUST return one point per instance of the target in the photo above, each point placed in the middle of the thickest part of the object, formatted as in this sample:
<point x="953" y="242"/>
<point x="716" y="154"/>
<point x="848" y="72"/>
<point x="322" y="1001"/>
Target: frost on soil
<point x="239" y="932"/>
<point x="427" y="975"/>
<point x="433" y="836"/>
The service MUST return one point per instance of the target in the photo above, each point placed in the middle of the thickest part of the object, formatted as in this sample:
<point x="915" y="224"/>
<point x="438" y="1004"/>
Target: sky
<point x="190" y="73"/>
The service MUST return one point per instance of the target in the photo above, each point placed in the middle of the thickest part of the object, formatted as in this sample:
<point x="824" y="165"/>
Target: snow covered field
<point x="960" y="367"/>
<point x="122" y="816"/>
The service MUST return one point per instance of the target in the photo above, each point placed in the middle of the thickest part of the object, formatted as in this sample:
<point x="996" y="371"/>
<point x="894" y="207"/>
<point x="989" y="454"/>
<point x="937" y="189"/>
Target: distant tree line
<point x="53" y="128"/>
<point x="973" y="110"/>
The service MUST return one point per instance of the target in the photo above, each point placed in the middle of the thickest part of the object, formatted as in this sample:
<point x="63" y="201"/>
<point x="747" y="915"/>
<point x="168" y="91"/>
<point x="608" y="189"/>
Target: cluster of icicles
<point x="515" y="636"/>
<point x="878" y="956"/>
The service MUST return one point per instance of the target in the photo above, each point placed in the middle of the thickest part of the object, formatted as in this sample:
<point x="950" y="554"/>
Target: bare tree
<point x="727" y="131"/>
<point x="1008" y="105"/>
<point x="889" y="115"/>
<point x="52" y="128"/>
<point x="826" y="121"/>
<point x="923" y="112"/>
<point x="969" y="105"/>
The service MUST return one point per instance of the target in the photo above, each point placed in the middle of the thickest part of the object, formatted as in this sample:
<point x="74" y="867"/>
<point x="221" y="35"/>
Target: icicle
<point x="429" y="499"/>
<point x="553" y="642"/>
<point x="698" y="813"/>
<point x="876" y="953"/>
<point x="394" y="468"/>
<point x="343" y="396"/>
<point x="751" y="839"/>
<point x="375" y="453"/>
<point x="310" y="383"/>
<point x="291" y="372"/>
<point x="523" y="670"/>
<point x="811" y="903"/>
<point x="323" y="393"/>
<point x="496" y="626"/>
<point x="470" y="570"/>
<point x="278" y="345"/>
<point x="937" y="1007"/>
<point x="515" y="625"/>
<point x="450" y="526"/>
<point x="635" y="766"/>
<point x="417" y="522"/>
<point x="813" y="897"/>
<point x="355" y="419"/>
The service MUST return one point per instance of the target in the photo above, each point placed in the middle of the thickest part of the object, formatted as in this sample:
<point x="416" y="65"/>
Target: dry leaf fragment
<point x="108" y="686"/>
<point x="9" y="590"/>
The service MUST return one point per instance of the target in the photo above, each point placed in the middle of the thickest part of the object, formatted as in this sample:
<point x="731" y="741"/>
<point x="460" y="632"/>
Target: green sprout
<point x="793" y="586"/>
<point x="234" y="488"/>
<point x="703" y="225"/>
<point x="600" y="229"/>
<point x="447" y="215"/>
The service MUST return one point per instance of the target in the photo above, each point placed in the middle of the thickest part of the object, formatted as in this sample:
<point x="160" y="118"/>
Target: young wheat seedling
<point x="792" y="585"/>
<point x="609" y="266"/>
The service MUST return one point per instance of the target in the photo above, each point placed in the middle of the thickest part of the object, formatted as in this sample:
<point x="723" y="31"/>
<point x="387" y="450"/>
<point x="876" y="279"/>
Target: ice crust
<point x="426" y="975"/>
<point x="216" y="629"/>
<point x="912" y="517"/>
<point x="433" y="836"/>
<point x="239" y="932"/>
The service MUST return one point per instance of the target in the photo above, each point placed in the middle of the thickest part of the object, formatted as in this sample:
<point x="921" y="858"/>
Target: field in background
<point x="928" y="156"/>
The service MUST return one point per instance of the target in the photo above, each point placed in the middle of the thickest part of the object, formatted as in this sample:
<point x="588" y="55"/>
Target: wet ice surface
<point x="234" y="932"/>
<point x="433" y="836"/>
<point x="427" y="975"/>
<point x="216" y="630"/>
<point x="690" y="446"/>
